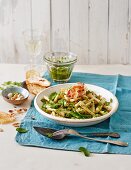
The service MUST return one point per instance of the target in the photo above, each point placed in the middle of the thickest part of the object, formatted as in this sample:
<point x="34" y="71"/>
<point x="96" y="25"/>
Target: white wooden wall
<point x="97" y="30"/>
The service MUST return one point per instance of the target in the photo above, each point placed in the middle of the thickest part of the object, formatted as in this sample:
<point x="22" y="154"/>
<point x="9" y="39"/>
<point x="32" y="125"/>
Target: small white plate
<point x="76" y="122"/>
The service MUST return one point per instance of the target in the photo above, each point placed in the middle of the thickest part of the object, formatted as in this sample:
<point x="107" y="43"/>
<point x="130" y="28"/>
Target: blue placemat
<point x="119" y="122"/>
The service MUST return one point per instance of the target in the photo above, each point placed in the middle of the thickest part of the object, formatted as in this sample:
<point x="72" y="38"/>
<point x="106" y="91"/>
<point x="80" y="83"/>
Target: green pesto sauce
<point x="60" y="73"/>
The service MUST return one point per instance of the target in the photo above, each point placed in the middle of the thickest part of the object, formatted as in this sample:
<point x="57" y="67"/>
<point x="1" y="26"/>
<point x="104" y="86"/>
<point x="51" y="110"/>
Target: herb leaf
<point x="10" y="84"/>
<point x="52" y="96"/>
<point x="111" y="100"/>
<point x="21" y="130"/>
<point x="85" y="151"/>
<point x="1" y="88"/>
<point x="15" y="83"/>
<point x="49" y="135"/>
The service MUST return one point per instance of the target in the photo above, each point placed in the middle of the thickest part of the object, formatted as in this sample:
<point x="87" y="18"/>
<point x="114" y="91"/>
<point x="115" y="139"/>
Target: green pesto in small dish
<point x="60" y="65"/>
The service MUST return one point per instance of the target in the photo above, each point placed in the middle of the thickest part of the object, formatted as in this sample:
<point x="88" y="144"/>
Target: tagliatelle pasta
<point x="76" y="102"/>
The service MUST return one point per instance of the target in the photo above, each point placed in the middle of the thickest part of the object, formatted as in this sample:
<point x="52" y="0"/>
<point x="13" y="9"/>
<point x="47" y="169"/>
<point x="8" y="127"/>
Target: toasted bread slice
<point x="34" y="82"/>
<point x="34" y="88"/>
<point x="38" y="81"/>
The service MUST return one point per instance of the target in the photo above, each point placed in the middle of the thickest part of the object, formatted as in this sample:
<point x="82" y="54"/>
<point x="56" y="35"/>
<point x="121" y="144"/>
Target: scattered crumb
<point x="17" y="111"/>
<point x="20" y="111"/>
<point x="17" y="124"/>
<point x="1" y="130"/>
<point x="10" y="111"/>
<point x="25" y="109"/>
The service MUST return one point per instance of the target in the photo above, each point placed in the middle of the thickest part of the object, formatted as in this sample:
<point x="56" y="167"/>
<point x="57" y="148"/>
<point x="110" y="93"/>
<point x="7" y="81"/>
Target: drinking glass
<point x="34" y="44"/>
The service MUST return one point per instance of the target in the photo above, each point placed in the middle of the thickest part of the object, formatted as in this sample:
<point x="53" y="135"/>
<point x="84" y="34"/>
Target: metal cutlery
<point x="60" y="134"/>
<point x="46" y="131"/>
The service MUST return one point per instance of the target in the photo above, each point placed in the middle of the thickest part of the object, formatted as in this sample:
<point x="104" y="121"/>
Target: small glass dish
<point x="60" y="65"/>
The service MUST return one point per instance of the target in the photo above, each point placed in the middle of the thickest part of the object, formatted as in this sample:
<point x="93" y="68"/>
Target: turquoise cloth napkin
<point x="120" y="122"/>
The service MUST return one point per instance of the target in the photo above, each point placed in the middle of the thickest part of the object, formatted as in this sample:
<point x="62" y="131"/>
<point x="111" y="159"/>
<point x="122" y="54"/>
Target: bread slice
<point x="37" y="84"/>
<point x="38" y="81"/>
<point x="34" y="82"/>
<point x="35" y="89"/>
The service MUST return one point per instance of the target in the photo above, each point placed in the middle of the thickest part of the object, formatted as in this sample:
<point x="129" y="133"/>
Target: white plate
<point x="76" y="122"/>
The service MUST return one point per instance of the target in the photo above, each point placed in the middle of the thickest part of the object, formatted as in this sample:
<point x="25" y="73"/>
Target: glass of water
<point x="34" y="44"/>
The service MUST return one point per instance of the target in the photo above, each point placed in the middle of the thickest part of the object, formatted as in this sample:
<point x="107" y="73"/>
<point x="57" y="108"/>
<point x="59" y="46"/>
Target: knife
<point x="48" y="132"/>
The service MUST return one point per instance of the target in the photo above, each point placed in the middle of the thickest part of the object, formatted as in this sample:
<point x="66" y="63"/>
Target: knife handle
<point x="105" y="134"/>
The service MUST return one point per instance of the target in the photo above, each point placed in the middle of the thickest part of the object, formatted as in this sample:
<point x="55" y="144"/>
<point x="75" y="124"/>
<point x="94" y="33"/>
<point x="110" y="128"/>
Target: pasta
<point x="76" y="102"/>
